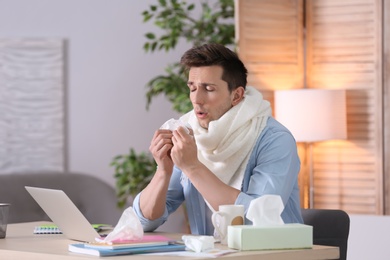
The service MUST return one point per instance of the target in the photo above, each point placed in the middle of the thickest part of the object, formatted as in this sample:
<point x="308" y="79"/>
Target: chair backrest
<point x="94" y="198"/>
<point x="330" y="228"/>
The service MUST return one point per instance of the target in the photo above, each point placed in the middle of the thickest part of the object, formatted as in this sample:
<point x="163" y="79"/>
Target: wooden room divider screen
<point x="326" y="44"/>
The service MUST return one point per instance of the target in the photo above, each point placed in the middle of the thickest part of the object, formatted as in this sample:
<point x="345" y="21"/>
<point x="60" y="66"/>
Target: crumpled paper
<point x="198" y="243"/>
<point x="128" y="228"/>
<point x="266" y="210"/>
<point x="173" y="124"/>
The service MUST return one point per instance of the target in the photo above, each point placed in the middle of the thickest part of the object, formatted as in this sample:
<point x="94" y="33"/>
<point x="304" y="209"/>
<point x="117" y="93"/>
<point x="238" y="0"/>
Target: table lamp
<point x="312" y="115"/>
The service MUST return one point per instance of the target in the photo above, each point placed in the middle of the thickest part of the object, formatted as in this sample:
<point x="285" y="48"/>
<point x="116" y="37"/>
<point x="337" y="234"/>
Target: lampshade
<point x="312" y="115"/>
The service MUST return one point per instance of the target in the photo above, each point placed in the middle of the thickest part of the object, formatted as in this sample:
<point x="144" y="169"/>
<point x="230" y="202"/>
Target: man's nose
<point x="197" y="97"/>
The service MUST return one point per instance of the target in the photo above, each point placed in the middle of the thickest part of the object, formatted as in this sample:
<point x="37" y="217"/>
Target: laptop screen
<point x="64" y="213"/>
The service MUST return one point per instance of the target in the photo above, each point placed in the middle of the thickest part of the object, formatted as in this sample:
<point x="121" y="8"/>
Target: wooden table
<point x="20" y="243"/>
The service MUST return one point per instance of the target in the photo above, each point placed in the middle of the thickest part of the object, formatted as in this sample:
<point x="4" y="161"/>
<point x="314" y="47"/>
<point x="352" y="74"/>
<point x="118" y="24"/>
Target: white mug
<point x="226" y="216"/>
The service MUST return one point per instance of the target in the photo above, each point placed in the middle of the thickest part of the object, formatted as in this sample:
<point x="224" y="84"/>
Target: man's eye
<point x="191" y="87"/>
<point x="209" y="88"/>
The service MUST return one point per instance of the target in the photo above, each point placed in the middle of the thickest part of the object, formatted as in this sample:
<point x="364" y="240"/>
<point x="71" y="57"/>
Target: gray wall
<point x="107" y="71"/>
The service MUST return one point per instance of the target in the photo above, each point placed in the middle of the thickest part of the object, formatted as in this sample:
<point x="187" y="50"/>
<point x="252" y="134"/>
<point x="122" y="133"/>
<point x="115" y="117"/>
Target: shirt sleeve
<point x="147" y="224"/>
<point x="174" y="200"/>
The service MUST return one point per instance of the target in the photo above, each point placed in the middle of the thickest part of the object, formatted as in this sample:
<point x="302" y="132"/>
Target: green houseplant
<point x="132" y="173"/>
<point x="176" y="20"/>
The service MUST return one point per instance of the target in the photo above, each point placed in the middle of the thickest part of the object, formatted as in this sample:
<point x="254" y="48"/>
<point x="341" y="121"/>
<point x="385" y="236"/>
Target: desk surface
<point x="21" y="243"/>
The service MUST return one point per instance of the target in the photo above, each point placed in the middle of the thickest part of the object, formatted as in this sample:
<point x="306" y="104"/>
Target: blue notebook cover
<point x="80" y="248"/>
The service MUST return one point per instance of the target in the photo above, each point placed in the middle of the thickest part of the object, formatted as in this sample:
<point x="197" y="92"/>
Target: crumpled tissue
<point x="173" y="124"/>
<point x="128" y="228"/>
<point x="266" y="210"/>
<point x="198" y="243"/>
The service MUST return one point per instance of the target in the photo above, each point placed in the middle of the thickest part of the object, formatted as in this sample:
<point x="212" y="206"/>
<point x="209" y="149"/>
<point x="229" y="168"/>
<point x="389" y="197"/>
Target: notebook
<point x="83" y="249"/>
<point x="53" y="229"/>
<point x="62" y="211"/>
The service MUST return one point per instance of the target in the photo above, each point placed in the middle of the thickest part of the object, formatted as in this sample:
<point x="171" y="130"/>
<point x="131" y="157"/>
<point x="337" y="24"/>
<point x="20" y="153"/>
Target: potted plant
<point x="176" y="20"/>
<point x="132" y="173"/>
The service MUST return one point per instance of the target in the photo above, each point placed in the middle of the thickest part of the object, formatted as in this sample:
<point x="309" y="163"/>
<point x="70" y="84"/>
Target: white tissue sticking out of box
<point x="128" y="228"/>
<point x="266" y="210"/>
<point x="173" y="124"/>
<point x="198" y="243"/>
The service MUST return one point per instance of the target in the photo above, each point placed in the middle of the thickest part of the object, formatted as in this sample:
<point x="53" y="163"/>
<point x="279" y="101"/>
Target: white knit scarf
<point x="225" y="147"/>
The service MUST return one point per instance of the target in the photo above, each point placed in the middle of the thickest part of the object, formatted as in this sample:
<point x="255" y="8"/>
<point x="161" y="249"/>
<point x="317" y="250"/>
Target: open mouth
<point x="201" y="114"/>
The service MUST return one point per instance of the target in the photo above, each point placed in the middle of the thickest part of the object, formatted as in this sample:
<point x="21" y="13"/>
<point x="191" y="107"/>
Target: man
<point x="234" y="153"/>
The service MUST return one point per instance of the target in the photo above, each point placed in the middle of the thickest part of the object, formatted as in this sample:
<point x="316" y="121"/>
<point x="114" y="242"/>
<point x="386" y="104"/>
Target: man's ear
<point x="238" y="95"/>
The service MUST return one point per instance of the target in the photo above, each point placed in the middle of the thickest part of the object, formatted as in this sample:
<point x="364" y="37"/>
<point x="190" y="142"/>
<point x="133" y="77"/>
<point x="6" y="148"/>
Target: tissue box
<point x="286" y="236"/>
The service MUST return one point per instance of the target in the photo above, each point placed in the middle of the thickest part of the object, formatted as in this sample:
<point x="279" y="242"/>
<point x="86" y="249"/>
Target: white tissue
<point x="173" y="124"/>
<point x="128" y="228"/>
<point x="266" y="210"/>
<point x="198" y="243"/>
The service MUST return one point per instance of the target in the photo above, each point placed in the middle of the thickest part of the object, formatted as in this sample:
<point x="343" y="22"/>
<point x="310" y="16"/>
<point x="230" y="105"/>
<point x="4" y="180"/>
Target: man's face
<point x="209" y="94"/>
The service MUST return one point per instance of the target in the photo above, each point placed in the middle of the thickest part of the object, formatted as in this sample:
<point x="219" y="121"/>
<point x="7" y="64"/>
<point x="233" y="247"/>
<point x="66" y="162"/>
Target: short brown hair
<point x="234" y="71"/>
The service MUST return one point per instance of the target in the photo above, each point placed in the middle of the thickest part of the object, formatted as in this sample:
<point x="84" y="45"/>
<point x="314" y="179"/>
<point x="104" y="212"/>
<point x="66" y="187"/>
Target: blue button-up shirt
<point x="272" y="168"/>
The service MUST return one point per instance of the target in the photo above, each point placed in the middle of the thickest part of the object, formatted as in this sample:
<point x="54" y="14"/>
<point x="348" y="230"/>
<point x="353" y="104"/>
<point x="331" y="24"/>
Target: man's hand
<point x="184" y="154"/>
<point x="153" y="197"/>
<point x="184" y="150"/>
<point x="160" y="147"/>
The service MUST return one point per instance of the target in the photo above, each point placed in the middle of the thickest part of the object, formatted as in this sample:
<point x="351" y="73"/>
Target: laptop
<point x="64" y="213"/>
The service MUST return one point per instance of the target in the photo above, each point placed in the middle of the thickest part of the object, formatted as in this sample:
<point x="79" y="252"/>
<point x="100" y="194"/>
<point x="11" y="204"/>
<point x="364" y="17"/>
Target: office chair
<point x="330" y="228"/>
<point x="94" y="198"/>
